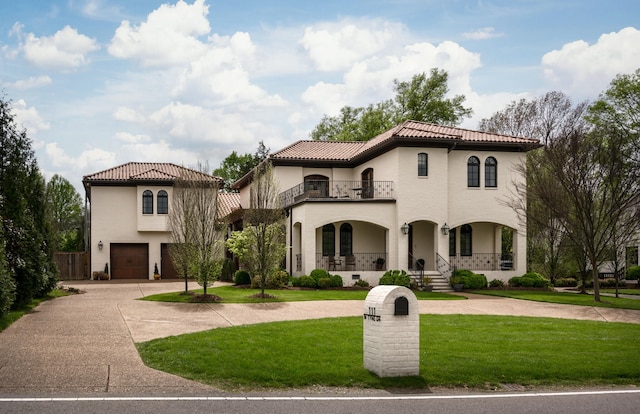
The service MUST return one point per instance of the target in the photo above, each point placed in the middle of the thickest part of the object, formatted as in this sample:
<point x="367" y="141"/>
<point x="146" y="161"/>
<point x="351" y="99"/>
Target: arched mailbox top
<point x="401" y="306"/>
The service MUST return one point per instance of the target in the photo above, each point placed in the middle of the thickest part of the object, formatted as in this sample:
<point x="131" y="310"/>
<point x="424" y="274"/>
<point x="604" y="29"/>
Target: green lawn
<point x="621" y="291"/>
<point x="564" y="298"/>
<point x="456" y="350"/>
<point x="230" y="294"/>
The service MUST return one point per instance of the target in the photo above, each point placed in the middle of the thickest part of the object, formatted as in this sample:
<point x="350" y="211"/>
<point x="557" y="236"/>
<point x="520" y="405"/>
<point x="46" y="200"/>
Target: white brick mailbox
<point x="391" y="332"/>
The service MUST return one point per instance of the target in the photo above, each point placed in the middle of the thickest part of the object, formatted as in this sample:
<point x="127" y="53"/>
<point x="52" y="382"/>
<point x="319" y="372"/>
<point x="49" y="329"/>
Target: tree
<point x="65" y="205"/>
<point x="420" y="99"/>
<point x="549" y="117"/>
<point x="261" y="245"/>
<point x="7" y="287"/>
<point x="197" y="234"/>
<point x="236" y="166"/>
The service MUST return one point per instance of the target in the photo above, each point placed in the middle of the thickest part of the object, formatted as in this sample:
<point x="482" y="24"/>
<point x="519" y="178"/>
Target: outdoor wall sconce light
<point x="100" y="245"/>
<point x="405" y="228"/>
<point x="445" y="229"/>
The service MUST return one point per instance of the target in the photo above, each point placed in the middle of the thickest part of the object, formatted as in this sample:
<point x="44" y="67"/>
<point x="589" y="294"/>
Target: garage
<point x="129" y="261"/>
<point x="167" y="271"/>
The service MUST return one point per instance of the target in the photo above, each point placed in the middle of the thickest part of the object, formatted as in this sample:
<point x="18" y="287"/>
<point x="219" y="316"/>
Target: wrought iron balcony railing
<point x="337" y="190"/>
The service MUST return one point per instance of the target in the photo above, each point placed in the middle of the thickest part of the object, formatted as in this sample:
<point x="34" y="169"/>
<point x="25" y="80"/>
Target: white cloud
<point x="336" y="46"/>
<point x="371" y="80"/>
<point x="160" y="151"/>
<point x="123" y="113"/>
<point x="482" y="34"/>
<point x="65" y="50"/>
<point x="584" y="70"/>
<point x="168" y="37"/>
<point x="96" y="158"/>
<point x="29" y="118"/>
<point x="221" y="78"/>
<point x="30" y="83"/>
<point x="129" y="138"/>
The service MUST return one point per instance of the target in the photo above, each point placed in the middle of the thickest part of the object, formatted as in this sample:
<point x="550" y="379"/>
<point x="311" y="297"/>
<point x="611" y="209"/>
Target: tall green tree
<point x="549" y="117"/>
<point x="236" y="166"/>
<point x="197" y="234"/>
<point x="66" y="213"/>
<point x="261" y="245"/>
<point x="27" y="233"/>
<point x="423" y="98"/>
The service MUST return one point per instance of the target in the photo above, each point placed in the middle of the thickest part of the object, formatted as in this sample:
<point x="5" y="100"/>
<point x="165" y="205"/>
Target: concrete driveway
<point x="84" y="344"/>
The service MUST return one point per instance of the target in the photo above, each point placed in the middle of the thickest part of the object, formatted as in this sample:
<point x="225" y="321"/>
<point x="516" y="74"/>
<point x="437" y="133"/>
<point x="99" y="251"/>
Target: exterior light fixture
<point x="445" y="229"/>
<point x="405" y="228"/>
<point x="100" y="245"/>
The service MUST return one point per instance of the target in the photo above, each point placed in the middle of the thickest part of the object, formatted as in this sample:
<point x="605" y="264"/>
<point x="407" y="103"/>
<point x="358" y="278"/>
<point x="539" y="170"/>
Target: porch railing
<point x="354" y="262"/>
<point x="482" y="261"/>
<point x="337" y="190"/>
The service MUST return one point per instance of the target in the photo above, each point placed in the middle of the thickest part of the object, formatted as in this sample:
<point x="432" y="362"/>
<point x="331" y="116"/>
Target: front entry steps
<point x="438" y="281"/>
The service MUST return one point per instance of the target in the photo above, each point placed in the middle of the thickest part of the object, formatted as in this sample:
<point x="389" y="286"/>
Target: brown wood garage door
<point x="167" y="271"/>
<point x="129" y="261"/>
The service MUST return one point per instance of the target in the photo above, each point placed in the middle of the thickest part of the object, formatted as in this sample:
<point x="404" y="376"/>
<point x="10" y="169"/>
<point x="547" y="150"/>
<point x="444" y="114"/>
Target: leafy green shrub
<point x="318" y="274"/>
<point x="242" y="277"/>
<point x="468" y="279"/>
<point x="395" y="277"/>
<point x="608" y="283"/>
<point x="496" y="283"/>
<point x="633" y="273"/>
<point x="256" y="282"/>
<point x="308" y="282"/>
<point x="361" y="283"/>
<point x="336" y="281"/>
<point x="278" y="279"/>
<point x="566" y="282"/>
<point x="530" y="279"/>
<point x="324" y="283"/>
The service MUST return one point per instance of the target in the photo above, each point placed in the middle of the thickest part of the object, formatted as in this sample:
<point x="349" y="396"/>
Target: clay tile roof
<point x="228" y="203"/>
<point x="134" y="172"/>
<point x="407" y="131"/>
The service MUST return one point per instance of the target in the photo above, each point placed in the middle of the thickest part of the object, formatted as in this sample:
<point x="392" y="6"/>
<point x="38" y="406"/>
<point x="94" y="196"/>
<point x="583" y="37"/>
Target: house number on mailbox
<point x="372" y="314"/>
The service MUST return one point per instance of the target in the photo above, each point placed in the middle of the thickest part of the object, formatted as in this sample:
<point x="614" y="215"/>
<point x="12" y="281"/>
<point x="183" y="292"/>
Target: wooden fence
<point x="72" y="265"/>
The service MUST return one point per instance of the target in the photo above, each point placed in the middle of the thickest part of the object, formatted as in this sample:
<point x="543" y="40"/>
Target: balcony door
<point x="316" y="185"/>
<point x="366" y="179"/>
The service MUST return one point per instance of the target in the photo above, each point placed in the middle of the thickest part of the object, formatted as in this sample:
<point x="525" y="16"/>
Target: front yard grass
<point x="231" y="294"/>
<point x="456" y="350"/>
<point x="564" y="298"/>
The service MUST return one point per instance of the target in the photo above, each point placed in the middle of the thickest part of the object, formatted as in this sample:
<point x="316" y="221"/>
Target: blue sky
<point x="97" y="83"/>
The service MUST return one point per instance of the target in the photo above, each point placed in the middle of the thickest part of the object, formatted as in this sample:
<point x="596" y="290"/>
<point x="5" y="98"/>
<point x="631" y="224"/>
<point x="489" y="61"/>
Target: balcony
<point x="337" y="191"/>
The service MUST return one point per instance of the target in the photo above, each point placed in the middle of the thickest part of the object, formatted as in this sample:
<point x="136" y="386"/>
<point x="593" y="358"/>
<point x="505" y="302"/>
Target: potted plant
<point x="426" y="284"/>
<point x="379" y="263"/>
<point x="456" y="282"/>
<point x="156" y="273"/>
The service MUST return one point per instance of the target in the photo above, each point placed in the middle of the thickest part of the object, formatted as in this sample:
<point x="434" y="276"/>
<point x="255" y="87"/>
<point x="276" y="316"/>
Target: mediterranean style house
<point x="420" y="197"/>
<point x="128" y="218"/>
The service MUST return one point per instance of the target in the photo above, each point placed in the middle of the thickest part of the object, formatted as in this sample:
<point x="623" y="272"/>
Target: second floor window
<point x="490" y="172"/>
<point x="147" y="202"/>
<point x="163" y="202"/>
<point x="473" y="172"/>
<point x="423" y="165"/>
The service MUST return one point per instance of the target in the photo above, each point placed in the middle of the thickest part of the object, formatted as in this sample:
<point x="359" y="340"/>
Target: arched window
<point x="163" y="202"/>
<point x="490" y="172"/>
<point x="346" y="239"/>
<point x="423" y="165"/>
<point x="473" y="172"/>
<point x="465" y="240"/>
<point x="317" y="185"/>
<point x="452" y="242"/>
<point x="328" y="240"/>
<point x="147" y="202"/>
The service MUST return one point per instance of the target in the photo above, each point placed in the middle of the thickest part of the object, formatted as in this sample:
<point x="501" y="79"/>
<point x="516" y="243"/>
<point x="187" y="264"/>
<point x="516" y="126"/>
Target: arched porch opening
<point x="422" y="246"/>
<point x="351" y="245"/>
<point x="482" y="247"/>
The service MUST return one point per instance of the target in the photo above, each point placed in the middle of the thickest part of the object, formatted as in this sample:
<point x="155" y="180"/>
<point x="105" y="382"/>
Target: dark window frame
<point x="466" y="240"/>
<point x="423" y="164"/>
<point x="346" y="239"/>
<point x="147" y="202"/>
<point x="473" y="172"/>
<point x="328" y="240"/>
<point x="491" y="172"/>
<point x="163" y="202"/>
